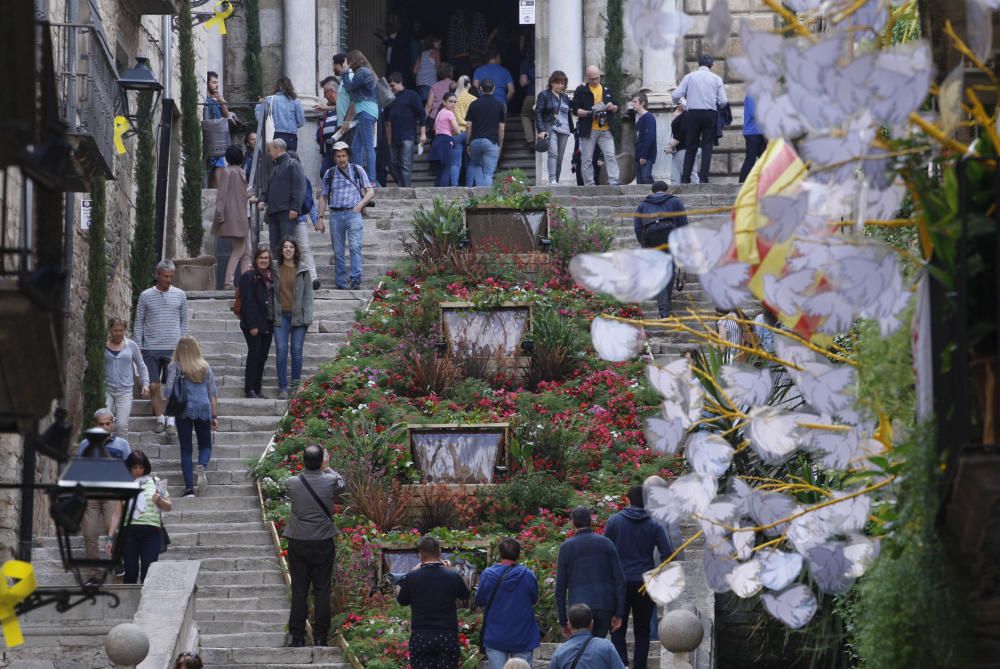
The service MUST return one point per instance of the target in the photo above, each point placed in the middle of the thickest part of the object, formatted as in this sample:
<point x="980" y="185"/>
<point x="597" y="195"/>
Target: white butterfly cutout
<point x="616" y="341"/>
<point x="709" y="454"/>
<point x="653" y="25"/>
<point x="849" y="515"/>
<point x="795" y="606"/>
<point x="683" y="395"/>
<point x="632" y="275"/>
<point x="778" y="568"/>
<point x="718" y="564"/>
<point x="861" y="552"/>
<point x="721" y="513"/>
<point x="667" y="585"/>
<point x="747" y="386"/>
<point x="744" y="579"/>
<point x="767" y="507"/>
<point x="687" y="495"/>
<point x="830" y="567"/>
<point x="774" y="434"/>
<point x="827" y="387"/>
<point x="720" y="26"/>
<point x="807" y="531"/>
<point x="703" y="250"/>
<point x="664" y="435"/>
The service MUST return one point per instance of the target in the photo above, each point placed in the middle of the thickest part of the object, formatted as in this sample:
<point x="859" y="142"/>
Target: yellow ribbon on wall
<point x="23" y="575"/>
<point x="121" y="127"/>
<point x="220" y="16"/>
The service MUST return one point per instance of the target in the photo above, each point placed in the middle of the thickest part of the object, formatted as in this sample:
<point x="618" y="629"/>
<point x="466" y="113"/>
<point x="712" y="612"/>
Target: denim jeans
<point x="603" y="139"/>
<point x="483" y="158"/>
<point x="142" y="548"/>
<point x="120" y="403"/>
<point x="644" y="173"/>
<point x="302" y="229"/>
<point x="498" y="658"/>
<point x="455" y="164"/>
<point x="363" y="143"/>
<point x="350" y="225"/>
<point x="401" y="162"/>
<point x="557" y="148"/>
<point x="283" y="333"/>
<point x="291" y="140"/>
<point x="203" y="430"/>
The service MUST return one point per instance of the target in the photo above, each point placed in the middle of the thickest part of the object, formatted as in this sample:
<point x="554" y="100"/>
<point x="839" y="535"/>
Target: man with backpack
<point x="310" y="532"/>
<point x="507" y="594"/>
<point x="347" y="190"/>
<point x="652" y="231"/>
<point x="583" y="650"/>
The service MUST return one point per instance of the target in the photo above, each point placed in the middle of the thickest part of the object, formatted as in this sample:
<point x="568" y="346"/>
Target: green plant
<point x="191" y="158"/>
<point x="425" y="372"/>
<point x="511" y="189"/>
<point x="558" y="346"/>
<point x="571" y="237"/>
<point x="546" y="443"/>
<point x="143" y="253"/>
<point x="614" y="46"/>
<point x="97" y="284"/>
<point x="525" y="494"/>
<point x="437" y="508"/>
<point x="385" y="504"/>
<point x="251" y="59"/>
<point x="436" y="231"/>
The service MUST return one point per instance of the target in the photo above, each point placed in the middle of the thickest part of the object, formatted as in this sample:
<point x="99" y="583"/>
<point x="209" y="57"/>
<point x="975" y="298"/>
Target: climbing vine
<point x="251" y="60"/>
<point x="143" y="254"/>
<point x="614" y="45"/>
<point x="194" y="168"/>
<point x="97" y="287"/>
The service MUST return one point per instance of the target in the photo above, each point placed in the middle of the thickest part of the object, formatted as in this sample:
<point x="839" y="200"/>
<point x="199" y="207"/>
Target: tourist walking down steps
<point x="201" y="411"/>
<point x="123" y="364"/>
<point x="161" y="319"/>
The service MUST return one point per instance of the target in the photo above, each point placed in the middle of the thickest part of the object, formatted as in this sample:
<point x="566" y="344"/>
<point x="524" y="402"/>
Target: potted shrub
<point x="510" y="218"/>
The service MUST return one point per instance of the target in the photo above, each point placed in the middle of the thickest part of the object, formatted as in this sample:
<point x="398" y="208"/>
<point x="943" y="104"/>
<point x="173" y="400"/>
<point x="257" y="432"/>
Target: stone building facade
<point x="128" y="31"/>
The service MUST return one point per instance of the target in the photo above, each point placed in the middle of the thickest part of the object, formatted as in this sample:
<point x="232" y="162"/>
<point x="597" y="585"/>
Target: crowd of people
<point x="598" y="584"/>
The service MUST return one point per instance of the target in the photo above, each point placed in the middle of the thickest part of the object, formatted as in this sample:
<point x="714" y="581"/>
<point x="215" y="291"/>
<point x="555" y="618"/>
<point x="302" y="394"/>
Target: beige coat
<point x="231" y="204"/>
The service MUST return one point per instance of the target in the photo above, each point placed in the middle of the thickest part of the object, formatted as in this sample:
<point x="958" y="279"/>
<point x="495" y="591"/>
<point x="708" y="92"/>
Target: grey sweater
<point x="120" y="370"/>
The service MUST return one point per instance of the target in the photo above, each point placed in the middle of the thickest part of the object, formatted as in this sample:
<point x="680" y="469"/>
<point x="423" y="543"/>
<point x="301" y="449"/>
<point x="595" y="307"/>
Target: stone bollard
<point x="127" y="645"/>
<point x="681" y="633"/>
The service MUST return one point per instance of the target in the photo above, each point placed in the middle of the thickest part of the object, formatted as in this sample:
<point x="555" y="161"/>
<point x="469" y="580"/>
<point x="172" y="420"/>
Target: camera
<point x="602" y="118"/>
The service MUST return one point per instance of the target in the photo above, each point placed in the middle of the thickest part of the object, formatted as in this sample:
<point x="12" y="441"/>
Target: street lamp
<point x="139" y="79"/>
<point x="89" y="478"/>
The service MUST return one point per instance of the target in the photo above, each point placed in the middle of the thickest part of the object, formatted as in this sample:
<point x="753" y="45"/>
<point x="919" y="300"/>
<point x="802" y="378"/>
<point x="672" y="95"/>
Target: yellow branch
<point x="684" y="545"/>
<point x="936" y="133"/>
<point x="967" y="52"/>
<point x="791" y="18"/>
<point x="984" y="119"/>
<point x="767" y="544"/>
<point x="822" y="426"/>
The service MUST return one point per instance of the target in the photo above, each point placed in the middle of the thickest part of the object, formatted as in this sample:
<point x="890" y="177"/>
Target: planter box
<point x="195" y="273"/>
<point x="458" y="454"/>
<point x="505" y="230"/>
<point x="486" y="340"/>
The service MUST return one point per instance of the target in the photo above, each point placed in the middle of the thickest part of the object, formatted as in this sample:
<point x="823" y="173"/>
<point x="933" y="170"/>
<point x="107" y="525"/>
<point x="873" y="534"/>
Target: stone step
<point x="240" y="445"/>
<point x="272" y="617"/>
<point x="312" y="355"/>
<point x="242" y="604"/>
<point x="262" y="656"/>
<point x="227" y="406"/>
<point x="200" y="300"/>
<point x="228" y="323"/>
<point x="242" y="591"/>
<point x="226" y="424"/>
<point x="208" y="578"/>
<point x="318" y="346"/>
<point x="282" y="665"/>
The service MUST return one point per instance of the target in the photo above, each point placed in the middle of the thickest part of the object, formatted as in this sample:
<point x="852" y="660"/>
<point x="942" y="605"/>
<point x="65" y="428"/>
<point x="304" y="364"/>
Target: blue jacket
<point x="651" y="231"/>
<point x="510" y="621"/>
<point x="645" y="137"/>
<point x="287" y="113"/>
<point x="116" y="447"/>
<point x="635" y="535"/>
<point x="600" y="653"/>
<point x="588" y="569"/>
<point x="750" y="126"/>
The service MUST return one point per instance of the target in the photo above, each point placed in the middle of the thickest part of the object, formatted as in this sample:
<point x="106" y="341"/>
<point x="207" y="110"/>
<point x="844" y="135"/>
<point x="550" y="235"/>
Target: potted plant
<point x="510" y="218"/>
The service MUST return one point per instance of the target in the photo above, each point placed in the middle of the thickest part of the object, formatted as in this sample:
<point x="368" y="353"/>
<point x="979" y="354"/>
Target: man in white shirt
<point x="706" y="95"/>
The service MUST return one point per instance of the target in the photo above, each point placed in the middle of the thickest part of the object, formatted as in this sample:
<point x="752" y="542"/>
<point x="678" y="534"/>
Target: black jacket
<point x="651" y="232"/>
<point x="546" y="108"/>
<point x="286" y="189"/>
<point x="256" y="306"/>
<point x="584" y="99"/>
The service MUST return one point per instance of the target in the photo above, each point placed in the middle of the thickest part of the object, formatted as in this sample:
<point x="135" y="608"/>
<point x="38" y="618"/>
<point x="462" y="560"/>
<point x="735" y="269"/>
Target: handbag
<point x="177" y="401"/>
<point x="215" y="136"/>
<point x="164" y="537"/>
<point x="486" y="609"/>
<point x="383" y="92"/>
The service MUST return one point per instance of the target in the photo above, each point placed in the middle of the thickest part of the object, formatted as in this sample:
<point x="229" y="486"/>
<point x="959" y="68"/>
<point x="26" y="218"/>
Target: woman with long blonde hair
<point x="201" y="413"/>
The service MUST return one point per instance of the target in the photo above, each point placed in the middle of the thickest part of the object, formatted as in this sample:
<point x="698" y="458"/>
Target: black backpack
<point x="656" y="231"/>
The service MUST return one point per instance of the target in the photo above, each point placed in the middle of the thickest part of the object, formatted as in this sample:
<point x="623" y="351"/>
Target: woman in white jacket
<point x="122" y="365"/>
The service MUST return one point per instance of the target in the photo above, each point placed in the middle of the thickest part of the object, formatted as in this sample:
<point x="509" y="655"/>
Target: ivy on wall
<point x="251" y="61"/>
<point x="143" y="254"/>
<point x="191" y="158"/>
<point x="93" y="316"/>
<point x="614" y="46"/>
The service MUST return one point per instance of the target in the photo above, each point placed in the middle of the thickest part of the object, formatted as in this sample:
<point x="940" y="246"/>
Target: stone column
<point x="565" y="26"/>
<point x="299" y="55"/>
<point x="215" y="57"/>
<point x="659" y="79"/>
<point x="299" y="48"/>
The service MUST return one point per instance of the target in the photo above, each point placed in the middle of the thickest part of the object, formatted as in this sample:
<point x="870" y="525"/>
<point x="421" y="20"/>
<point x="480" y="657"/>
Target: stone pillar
<point x="299" y="48"/>
<point x="565" y="25"/>
<point x="659" y="79"/>
<point x="215" y="57"/>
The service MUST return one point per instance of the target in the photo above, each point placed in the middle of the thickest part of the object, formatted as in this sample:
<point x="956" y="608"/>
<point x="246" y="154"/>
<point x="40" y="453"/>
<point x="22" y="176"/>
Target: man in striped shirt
<point x="161" y="319"/>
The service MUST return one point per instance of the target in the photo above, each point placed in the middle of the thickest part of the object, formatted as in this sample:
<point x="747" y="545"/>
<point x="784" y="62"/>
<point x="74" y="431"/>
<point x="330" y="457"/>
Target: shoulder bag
<point x="489" y="604"/>
<point x="326" y="511"/>
<point x="164" y="537"/>
<point x="354" y="182"/>
<point x="177" y="401"/>
<point x="579" y="653"/>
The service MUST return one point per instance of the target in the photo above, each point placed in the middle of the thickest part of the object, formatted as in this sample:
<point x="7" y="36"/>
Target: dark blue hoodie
<point x="635" y="535"/>
<point x="510" y="621"/>
<point x="651" y="231"/>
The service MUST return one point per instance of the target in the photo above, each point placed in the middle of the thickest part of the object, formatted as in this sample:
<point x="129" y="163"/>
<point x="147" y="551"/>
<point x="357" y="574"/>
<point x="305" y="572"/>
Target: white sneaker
<point x="159" y="425"/>
<point x="171" y="426"/>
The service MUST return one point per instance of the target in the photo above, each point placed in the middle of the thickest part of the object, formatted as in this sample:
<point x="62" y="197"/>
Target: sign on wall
<point x="85" y="214"/>
<point x="526" y="12"/>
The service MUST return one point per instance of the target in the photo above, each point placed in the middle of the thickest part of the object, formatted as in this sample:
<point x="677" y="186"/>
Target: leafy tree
<point x="93" y="317"/>
<point x="191" y="158"/>
<point x="143" y="252"/>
